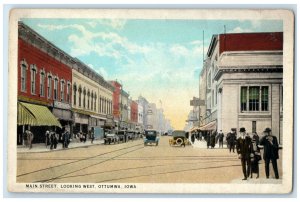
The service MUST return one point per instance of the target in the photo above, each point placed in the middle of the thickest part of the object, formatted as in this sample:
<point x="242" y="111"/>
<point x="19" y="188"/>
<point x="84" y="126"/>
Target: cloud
<point x="116" y="24"/>
<point x="240" y="30"/>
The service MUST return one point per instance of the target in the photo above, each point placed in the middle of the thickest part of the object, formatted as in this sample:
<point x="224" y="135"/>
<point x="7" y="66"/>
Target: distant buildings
<point x="241" y="83"/>
<point x="58" y="92"/>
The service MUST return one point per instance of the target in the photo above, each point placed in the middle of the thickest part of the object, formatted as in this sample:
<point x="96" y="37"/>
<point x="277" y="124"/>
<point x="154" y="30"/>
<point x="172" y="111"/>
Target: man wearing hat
<point x="270" y="144"/>
<point x="244" y="148"/>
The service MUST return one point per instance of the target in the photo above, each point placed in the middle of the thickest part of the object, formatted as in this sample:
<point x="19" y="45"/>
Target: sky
<point x="158" y="59"/>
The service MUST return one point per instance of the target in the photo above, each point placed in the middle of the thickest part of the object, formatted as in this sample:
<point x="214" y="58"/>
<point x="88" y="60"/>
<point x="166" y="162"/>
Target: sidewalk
<point x="42" y="148"/>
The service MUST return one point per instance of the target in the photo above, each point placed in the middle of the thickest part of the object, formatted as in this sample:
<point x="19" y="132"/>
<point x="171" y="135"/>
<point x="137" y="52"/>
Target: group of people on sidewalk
<point x="213" y="138"/>
<point x="248" y="149"/>
<point x="52" y="139"/>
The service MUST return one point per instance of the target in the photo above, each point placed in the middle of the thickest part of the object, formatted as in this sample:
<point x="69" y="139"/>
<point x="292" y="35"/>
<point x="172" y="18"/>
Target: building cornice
<point x="247" y="69"/>
<point x="32" y="37"/>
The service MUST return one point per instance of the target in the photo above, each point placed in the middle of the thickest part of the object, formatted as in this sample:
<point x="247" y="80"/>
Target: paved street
<point x="133" y="163"/>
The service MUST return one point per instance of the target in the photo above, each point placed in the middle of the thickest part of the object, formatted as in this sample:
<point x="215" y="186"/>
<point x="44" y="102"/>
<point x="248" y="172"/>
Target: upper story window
<point x="79" y="91"/>
<point x="62" y="90"/>
<point x="68" y="92"/>
<point x="209" y="80"/>
<point x="42" y="83"/>
<point x="95" y="96"/>
<point x="24" y="68"/>
<point x="254" y="98"/>
<point x="55" y="95"/>
<point x="33" y="70"/>
<point x="75" y="91"/>
<point x="92" y="97"/>
<point x="84" y="94"/>
<point x="49" y="85"/>
<point x="88" y="101"/>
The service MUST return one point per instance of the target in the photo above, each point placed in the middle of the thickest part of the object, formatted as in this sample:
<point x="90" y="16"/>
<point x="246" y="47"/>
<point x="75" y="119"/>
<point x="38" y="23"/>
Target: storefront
<point x="62" y="111"/>
<point x="37" y="119"/>
<point x="81" y="122"/>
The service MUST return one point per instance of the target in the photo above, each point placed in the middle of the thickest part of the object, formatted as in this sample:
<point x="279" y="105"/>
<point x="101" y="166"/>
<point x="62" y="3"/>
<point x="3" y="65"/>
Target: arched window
<point x="33" y="70"/>
<point x="49" y="85"/>
<point x="88" y="102"/>
<point x="92" y="97"/>
<point x="84" y="94"/>
<point x="68" y="92"/>
<point x="95" y="100"/>
<point x="55" y="94"/>
<point x="75" y="91"/>
<point x="80" y="91"/>
<point x="24" y="67"/>
<point x="42" y="82"/>
<point x="62" y="90"/>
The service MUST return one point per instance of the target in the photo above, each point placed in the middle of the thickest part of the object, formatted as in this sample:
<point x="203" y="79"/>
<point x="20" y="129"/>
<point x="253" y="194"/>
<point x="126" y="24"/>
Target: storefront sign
<point x="61" y="105"/>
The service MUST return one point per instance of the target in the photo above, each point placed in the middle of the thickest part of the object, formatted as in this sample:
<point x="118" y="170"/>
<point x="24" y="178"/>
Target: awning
<point x="35" y="115"/>
<point x="210" y="126"/>
<point x="194" y="128"/>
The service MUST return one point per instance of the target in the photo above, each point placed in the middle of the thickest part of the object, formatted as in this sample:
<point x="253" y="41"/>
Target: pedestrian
<point x="221" y="138"/>
<point x="53" y="140"/>
<point x="25" y="140"/>
<point x="193" y="138"/>
<point x="92" y="135"/>
<point x="244" y="148"/>
<point x="256" y="156"/>
<point x="213" y="139"/>
<point x="208" y="139"/>
<point x="30" y="137"/>
<point x="84" y="137"/>
<point x="231" y="140"/>
<point x="47" y="138"/>
<point x="66" y="139"/>
<point x="270" y="144"/>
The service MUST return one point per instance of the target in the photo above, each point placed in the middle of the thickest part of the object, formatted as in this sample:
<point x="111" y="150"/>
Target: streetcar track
<point x="53" y="178"/>
<point x="163" y="173"/>
<point x="135" y="168"/>
<point x="87" y="158"/>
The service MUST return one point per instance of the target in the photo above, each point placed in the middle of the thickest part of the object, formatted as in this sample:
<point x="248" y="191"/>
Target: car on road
<point x="151" y="137"/>
<point x="178" y="138"/>
<point x="110" y="137"/>
<point x="122" y="134"/>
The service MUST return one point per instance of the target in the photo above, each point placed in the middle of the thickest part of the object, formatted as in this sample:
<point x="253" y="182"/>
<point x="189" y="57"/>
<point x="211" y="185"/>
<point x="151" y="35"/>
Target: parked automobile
<point x="111" y="138"/>
<point x="122" y="134"/>
<point x="178" y="138"/>
<point x="151" y="137"/>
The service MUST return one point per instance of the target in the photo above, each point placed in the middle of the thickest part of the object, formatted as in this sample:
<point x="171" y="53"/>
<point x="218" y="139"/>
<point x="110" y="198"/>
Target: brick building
<point x="44" y="83"/>
<point x="241" y="83"/>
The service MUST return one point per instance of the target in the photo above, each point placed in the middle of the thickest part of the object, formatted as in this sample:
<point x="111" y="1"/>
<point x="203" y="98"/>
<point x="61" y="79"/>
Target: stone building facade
<point x="241" y="83"/>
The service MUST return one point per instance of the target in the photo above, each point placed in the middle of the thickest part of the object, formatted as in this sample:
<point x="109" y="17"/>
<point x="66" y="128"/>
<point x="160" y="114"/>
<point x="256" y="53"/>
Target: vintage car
<point x="178" y="138"/>
<point x="122" y="134"/>
<point x="111" y="137"/>
<point x="151" y="137"/>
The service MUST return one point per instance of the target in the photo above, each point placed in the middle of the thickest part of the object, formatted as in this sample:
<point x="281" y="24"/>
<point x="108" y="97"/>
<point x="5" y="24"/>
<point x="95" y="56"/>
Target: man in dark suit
<point x="244" y="148"/>
<point x="270" y="144"/>
<point x="231" y="139"/>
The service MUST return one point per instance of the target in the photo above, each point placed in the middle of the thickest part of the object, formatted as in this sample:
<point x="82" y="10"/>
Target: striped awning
<point x="210" y="126"/>
<point x="35" y="115"/>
